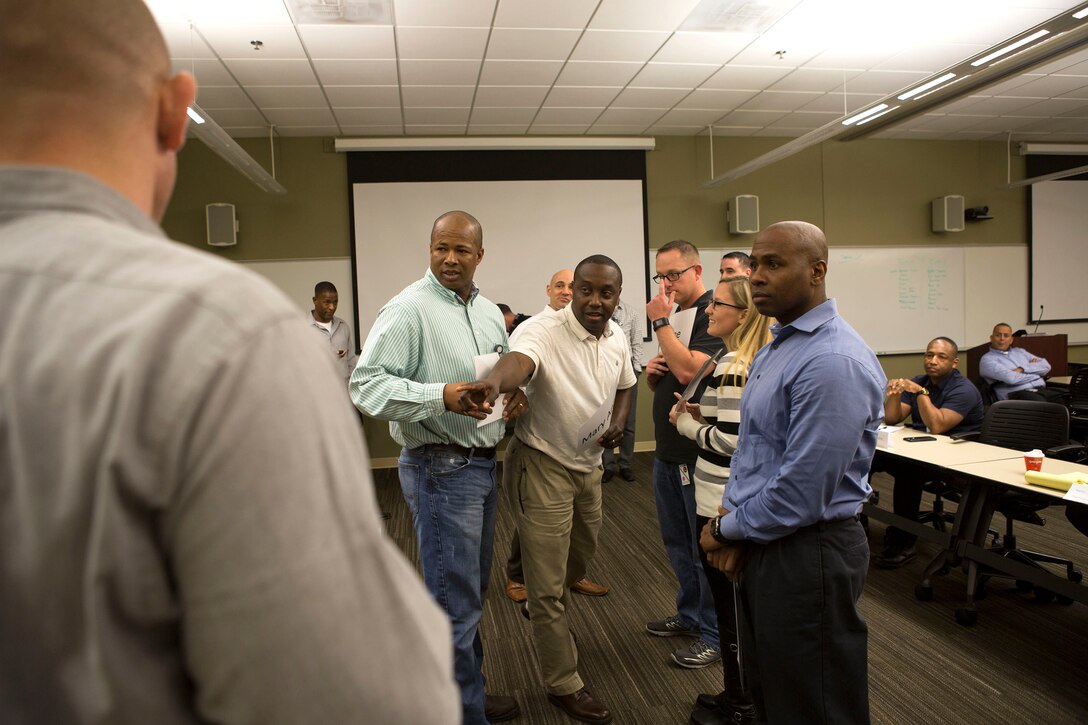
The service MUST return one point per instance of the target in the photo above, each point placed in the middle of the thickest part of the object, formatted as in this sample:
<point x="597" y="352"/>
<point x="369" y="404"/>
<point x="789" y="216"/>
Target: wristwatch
<point x="660" y="322"/>
<point x="923" y="391"/>
<point x="716" y="531"/>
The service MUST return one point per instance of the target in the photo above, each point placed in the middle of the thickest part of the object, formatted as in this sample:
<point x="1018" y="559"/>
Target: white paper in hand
<point x="484" y="365"/>
<point x="597" y="424"/>
<point x="682" y="322"/>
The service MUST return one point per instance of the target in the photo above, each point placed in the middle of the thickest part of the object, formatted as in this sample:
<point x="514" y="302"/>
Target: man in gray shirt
<point x="187" y="533"/>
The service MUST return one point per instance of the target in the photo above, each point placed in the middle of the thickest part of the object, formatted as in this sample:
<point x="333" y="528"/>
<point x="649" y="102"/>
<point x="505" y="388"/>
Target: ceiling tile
<point x="618" y="45"/>
<point x="779" y="100"/>
<point x="300" y="116"/>
<point x="308" y="130"/>
<point x="583" y="96"/>
<point x="435" y="116"/>
<point x="212" y="97"/>
<point x="511" y="95"/>
<point x="597" y="73"/>
<point x="735" y="130"/>
<point x="989" y="105"/>
<point x="368" y="116"/>
<point x="497" y="129"/>
<point x="183" y="42"/>
<point x="1051" y="107"/>
<point x="460" y="14"/>
<point x="216" y="12"/>
<point x="531" y="44"/>
<point x="287" y="96"/>
<point x="716" y="48"/>
<point x="550" y="14"/>
<point x="883" y="81"/>
<point x="713" y="99"/>
<point x="441" y="43"/>
<point x="1057" y="85"/>
<point x="357" y="72"/>
<point x="841" y="103"/>
<point x="649" y="97"/>
<point x="781" y="132"/>
<point x="271" y="71"/>
<point x="804" y="119"/>
<point x="439" y="72"/>
<point x="747" y="78"/>
<point x="210" y="72"/>
<point x="690" y="117"/>
<point x="673" y="75"/>
<point x="349" y="41"/>
<point x="615" y="130"/>
<point x="814" y="79"/>
<point x="1010" y="87"/>
<point x="642" y="14"/>
<point x="742" y="117"/>
<point x="1001" y="124"/>
<point x="567" y="116"/>
<point x="494" y="116"/>
<point x="373" y="130"/>
<point x="667" y="130"/>
<point x="239" y="117"/>
<point x="518" y="72"/>
<point x="247" y="131"/>
<point x="930" y="57"/>
<point x="359" y="96"/>
<point x="435" y="130"/>
<point x="631" y="116"/>
<point x="277" y="41"/>
<point x="559" y="129"/>
<point x="437" y="96"/>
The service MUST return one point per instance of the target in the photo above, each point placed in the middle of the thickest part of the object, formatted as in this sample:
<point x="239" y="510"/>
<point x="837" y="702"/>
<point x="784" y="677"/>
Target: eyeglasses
<point x="671" y="276"/>
<point x="715" y="304"/>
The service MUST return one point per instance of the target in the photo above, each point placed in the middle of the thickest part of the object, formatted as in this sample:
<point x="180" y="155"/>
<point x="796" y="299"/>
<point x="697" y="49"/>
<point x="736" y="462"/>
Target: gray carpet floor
<point x="1023" y="662"/>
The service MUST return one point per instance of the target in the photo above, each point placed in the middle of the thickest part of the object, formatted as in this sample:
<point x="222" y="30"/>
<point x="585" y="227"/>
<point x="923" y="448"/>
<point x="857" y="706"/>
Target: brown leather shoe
<point x="585" y="586"/>
<point x="581" y="706"/>
<point x="500" y="708"/>
<point x="515" y="591"/>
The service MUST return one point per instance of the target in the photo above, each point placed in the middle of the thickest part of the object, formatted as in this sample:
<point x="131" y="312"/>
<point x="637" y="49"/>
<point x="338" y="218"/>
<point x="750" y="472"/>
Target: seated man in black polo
<point x="943" y="401"/>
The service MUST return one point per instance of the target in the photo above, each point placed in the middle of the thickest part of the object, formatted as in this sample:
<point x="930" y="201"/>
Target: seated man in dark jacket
<point x="943" y="401"/>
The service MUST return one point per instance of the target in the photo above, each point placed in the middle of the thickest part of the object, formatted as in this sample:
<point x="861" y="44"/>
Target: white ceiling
<point x="616" y="67"/>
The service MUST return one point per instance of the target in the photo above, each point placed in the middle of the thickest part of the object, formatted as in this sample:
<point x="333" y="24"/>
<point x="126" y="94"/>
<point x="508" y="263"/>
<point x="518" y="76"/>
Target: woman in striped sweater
<point x="713" y="424"/>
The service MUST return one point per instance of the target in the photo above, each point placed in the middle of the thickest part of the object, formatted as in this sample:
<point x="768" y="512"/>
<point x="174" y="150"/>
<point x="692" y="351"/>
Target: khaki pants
<point x="558" y="514"/>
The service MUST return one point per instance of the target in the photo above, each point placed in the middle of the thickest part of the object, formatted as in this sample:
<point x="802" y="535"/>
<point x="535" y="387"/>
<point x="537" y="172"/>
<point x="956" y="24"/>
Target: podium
<point x="1055" y="348"/>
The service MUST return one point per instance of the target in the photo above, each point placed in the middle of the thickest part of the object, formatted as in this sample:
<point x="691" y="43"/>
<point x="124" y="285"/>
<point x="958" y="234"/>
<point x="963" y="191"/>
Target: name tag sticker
<point x="685" y="479"/>
<point x="484" y="365"/>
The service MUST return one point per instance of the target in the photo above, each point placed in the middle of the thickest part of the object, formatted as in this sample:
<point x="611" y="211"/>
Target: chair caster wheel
<point x="1024" y="586"/>
<point x="1064" y="601"/>
<point x="1043" y="595"/>
<point x="966" y="617"/>
<point x="1076" y="577"/>
<point x="981" y="592"/>
<point x="923" y="592"/>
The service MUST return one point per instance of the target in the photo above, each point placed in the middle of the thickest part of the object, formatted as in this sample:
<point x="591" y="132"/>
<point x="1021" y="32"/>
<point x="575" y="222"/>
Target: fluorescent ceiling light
<point x="864" y="114"/>
<point x="215" y="138"/>
<point x="498" y="143"/>
<point x="925" y="86"/>
<point x="1076" y="171"/>
<point x="1009" y="48"/>
<point x="197" y="118"/>
<point x="1080" y="14"/>
<point x="876" y="115"/>
<point x="1028" y="148"/>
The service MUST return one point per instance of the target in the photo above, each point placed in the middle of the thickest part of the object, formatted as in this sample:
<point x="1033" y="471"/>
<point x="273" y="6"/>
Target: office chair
<point x="1078" y="402"/>
<point x="1024" y="425"/>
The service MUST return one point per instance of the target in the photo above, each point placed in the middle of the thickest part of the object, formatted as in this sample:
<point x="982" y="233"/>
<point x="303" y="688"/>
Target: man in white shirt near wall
<point x="336" y="332"/>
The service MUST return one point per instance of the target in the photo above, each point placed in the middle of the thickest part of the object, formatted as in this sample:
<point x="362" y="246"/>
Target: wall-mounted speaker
<point x="948" y="214"/>
<point x="743" y="214"/>
<point x="222" y="226"/>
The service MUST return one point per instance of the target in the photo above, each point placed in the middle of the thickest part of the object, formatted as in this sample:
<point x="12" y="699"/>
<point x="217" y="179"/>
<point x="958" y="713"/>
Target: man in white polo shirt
<point x="575" y="362"/>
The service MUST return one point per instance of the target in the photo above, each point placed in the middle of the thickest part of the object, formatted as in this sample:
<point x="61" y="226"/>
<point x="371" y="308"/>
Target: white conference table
<point x="982" y="472"/>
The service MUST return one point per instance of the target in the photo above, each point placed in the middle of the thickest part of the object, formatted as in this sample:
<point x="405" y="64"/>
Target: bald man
<point x="789" y="532"/>
<point x="176" y="544"/>
<point x="559" y="293"/>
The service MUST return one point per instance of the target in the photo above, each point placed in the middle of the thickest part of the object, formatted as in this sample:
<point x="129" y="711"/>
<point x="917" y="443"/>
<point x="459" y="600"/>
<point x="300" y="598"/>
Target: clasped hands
<point x="475" y="399"/>
<point x="726" y="558"/>
<point x="901" y="385"/>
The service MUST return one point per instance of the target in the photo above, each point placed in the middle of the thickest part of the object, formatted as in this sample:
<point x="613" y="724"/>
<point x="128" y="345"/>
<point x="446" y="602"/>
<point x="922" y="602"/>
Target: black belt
<point x="451" y="448"/>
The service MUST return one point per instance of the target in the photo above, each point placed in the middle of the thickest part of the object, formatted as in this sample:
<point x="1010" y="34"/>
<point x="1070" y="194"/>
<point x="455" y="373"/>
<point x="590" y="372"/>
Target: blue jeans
<point x="452" y="499"/>
<point x="676" y="515"/>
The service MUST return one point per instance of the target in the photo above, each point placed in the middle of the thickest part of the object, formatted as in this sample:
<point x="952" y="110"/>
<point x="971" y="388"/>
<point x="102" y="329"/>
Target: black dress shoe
<point x="704" y="701"/>
<point x="730" y="716"/>
<point x="607" y="475"/>
<point x="627" y="474"/>
<point x="582" y="707"/>
<point x="500" y="708"/>
<point x="894" y="557"/>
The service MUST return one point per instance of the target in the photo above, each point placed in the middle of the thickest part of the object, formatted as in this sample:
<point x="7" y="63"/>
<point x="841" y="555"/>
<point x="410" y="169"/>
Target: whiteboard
<point x="297" y="277"/>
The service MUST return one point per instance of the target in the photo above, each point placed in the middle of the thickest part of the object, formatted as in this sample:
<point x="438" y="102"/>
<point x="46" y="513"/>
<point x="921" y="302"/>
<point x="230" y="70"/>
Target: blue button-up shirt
<point x="809" y="416"/>
<point x="999" y="367"/>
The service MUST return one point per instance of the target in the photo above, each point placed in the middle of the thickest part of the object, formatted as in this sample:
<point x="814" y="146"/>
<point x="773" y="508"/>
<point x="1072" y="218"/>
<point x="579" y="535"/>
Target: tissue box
<point x="884" y="435"/>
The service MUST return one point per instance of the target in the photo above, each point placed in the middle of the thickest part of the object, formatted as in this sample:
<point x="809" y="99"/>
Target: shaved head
<point x="808" y="239"/>
<point x="98" y="60"/>
<point x="789" y="264"/>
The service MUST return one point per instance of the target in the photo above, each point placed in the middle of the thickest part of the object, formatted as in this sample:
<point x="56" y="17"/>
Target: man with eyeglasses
<point x="680" y="281"/>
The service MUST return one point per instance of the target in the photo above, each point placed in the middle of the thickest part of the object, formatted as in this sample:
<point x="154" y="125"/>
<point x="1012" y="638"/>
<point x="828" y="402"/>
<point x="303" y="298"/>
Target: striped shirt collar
<point x="448" y="293"/>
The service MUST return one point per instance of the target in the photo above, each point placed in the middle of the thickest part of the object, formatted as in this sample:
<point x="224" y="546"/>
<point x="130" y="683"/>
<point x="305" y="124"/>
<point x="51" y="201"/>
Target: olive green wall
<point x="866" y="192"/>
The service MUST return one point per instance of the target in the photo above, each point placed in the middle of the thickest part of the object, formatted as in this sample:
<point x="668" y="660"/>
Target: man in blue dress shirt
<point x="1013" y="372"/>
<point x="789" y="532"/>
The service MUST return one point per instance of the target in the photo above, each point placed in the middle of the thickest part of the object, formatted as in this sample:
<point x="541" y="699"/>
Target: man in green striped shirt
<point x="430" y="333"/>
